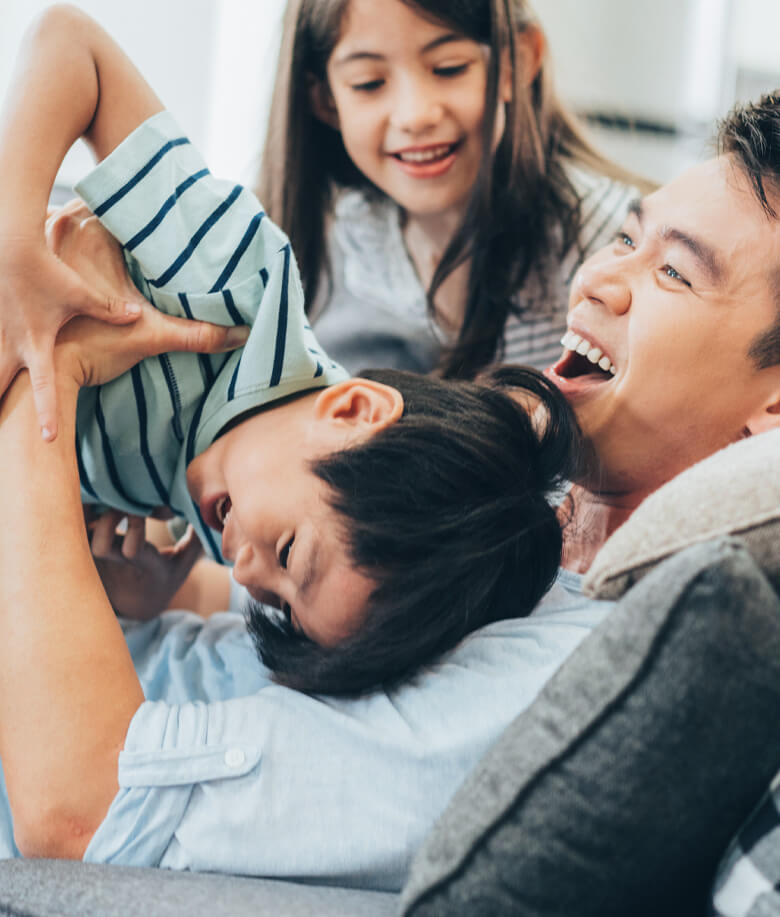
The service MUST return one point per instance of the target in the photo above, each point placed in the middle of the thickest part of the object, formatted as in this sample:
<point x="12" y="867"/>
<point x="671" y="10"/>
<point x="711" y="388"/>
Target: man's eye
<point x="451" y="71"/>
<point x="623" y="238"/>
<point x="368" y="86"/>
<point x="674" y="274"/>
<point x="284" y="554"/>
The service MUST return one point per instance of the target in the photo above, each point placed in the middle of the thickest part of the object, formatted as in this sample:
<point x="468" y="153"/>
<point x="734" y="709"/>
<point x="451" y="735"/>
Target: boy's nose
<point x="604" y="282"/>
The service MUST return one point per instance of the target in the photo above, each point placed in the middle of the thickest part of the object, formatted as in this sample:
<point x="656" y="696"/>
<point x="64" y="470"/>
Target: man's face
<point x="287" y="544"/>
<point x="670" y="310"/>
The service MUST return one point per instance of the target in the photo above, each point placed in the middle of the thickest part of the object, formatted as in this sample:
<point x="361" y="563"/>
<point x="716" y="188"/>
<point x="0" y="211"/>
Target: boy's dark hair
<point x="751" y="135"/>
<point x="450" y="511"/>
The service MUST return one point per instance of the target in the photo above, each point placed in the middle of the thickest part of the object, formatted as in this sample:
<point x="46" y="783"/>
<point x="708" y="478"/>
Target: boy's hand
<point x="39" y="293"/>
<point x="139" y="578"/>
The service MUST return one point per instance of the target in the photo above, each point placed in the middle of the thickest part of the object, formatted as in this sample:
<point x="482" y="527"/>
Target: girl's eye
<point x="674" y="274"/>
<point x="368" y="86"/>
<point x="623" y="238"/>
<point x="451" y="71"/>
<point x="284" y="554"/>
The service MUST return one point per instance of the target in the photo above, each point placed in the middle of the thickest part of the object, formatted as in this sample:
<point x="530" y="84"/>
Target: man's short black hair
<point x="751" y="135"/>
<point x="450" y="511"/>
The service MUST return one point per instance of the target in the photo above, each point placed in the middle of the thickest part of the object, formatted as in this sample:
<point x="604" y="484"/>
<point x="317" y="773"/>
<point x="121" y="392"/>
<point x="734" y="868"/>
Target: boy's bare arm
<point x="71" y="81"/>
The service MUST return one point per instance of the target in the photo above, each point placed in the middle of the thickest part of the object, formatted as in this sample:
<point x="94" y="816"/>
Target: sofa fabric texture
<point x="619" y="789"/>
<point x="734" y="491"/>
<point x="58" y="888"/>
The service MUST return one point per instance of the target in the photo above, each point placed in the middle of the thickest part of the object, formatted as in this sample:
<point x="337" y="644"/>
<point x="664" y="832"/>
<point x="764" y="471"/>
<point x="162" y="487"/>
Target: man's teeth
<point x="425" y="155"/>
<point x="573" y="341"/>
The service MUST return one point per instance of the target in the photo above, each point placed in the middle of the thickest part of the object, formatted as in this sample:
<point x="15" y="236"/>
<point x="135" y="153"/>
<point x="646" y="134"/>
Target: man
<point x="221" y="770"/>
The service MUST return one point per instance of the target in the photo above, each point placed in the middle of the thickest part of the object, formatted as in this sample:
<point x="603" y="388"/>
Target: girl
<point x="417" y="145"/>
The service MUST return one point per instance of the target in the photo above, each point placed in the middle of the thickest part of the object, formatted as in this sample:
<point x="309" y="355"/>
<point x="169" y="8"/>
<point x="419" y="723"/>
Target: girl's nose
<point x="604" y="282"/>
<point x="416" y="109"/>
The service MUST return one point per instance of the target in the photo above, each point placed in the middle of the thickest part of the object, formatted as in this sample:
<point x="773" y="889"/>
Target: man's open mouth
<point x="583" y="358"/>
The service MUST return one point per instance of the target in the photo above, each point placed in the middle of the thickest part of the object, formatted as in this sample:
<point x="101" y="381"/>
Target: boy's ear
<point x="531" y="46"/>
<point x="322" y="103"/>
<point x="366" y="405"/>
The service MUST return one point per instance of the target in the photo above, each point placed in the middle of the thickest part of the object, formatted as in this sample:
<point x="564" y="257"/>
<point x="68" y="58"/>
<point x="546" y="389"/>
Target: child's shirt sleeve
<point x="197" y="247"/>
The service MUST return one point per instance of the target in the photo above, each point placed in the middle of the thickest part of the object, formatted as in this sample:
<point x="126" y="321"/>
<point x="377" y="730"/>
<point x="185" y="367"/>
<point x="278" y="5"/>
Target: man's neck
<point x="592" y="519"/>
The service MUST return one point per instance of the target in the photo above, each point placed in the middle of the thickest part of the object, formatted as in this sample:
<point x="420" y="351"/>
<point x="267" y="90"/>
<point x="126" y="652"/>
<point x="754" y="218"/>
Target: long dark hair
<point x="523" y="207"/>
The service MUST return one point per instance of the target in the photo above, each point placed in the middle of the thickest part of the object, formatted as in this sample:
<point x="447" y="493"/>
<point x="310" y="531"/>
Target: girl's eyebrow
<point x="375" y="55"/>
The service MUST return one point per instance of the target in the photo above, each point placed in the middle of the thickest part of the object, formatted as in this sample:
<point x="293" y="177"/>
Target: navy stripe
<point x="319" y="370"/>
<point x="128" y="186"/>
<point x="155" y="221"/>
<point x="264" y="276"/>
<point x="173" y="391"/>
<point x="205" y="363"/>
<point x="190" y="454"/>
<point x="242" y="246"/>
<point x="85" y="482"/>
<point x="140" y="401"/>
<point x="207" y="224"/>
<point x="108" y="455"/>
<point x="230" y="305"/>
<point x="281" y="327"/>
<point x="206" y="532"/>
<point x="232" y="387"/>
<point x="185" y="304"/>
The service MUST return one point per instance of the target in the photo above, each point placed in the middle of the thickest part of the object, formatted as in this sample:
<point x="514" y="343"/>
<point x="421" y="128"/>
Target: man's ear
<point x="366" y="405"/>
<point x="768" y="417"/>
<point x="322" y="103"/>
<point x="531" y="47"/>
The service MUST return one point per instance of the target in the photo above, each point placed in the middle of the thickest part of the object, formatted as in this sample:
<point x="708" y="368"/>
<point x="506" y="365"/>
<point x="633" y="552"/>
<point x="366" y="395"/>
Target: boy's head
<point x="388" y="516"/>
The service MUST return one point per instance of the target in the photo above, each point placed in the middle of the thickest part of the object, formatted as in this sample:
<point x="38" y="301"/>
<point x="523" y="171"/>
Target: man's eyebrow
<point x="708" y="258"/>
<point x="375" y="55"/>
<point x="635" y="208"/>
<point x="705" y="254"/>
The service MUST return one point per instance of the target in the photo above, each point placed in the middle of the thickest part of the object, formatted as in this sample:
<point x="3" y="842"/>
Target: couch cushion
<point x="734" y="491"/>
<point x="618" y="790"/>
<point x="42" y="888"/>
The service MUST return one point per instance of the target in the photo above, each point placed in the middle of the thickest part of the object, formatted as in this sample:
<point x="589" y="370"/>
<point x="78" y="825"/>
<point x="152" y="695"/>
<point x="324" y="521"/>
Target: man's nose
<point x="416" y="108"/>
<point x="604" y="282"/>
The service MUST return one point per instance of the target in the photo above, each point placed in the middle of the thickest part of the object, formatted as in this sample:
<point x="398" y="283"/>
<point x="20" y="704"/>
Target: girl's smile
<point x="407" y="93"/>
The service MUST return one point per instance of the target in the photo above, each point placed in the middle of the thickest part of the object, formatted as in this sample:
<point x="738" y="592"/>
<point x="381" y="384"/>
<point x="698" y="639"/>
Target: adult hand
<point x="93" y="352"/>
<point x="39" y="293"/>
<point x="140" y="579"/>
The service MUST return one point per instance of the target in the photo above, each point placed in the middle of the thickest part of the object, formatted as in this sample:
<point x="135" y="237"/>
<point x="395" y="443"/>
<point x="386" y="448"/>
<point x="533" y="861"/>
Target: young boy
<point x="386" y="516"/>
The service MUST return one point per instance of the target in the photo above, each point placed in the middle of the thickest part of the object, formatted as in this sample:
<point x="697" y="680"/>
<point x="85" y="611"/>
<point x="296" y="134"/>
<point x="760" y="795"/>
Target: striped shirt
<point x="202" y="248"/>
<point x="374" y="311"/>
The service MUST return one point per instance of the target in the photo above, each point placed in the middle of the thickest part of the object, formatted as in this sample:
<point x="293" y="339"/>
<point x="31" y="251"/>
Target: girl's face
<point x="408" y="96"/>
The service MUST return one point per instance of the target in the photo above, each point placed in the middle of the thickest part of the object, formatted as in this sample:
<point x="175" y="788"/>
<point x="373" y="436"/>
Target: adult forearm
<point x="68" y="689"/>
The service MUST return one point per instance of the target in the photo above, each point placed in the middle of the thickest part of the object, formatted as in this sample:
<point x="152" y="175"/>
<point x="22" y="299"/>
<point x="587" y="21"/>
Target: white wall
<point x="210" y="61"/>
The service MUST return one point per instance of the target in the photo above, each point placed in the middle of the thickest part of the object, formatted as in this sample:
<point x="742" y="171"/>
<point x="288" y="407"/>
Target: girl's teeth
<point x="604" y="363"/>
<point x="594" y="355"/>
<point x="582" y="348"/>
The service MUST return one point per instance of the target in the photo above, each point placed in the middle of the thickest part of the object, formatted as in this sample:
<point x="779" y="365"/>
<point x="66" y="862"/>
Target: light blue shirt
<point x="224" y="771"/>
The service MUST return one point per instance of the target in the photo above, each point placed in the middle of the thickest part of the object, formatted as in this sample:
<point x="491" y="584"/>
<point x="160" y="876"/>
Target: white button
<point x="234" y="757"/>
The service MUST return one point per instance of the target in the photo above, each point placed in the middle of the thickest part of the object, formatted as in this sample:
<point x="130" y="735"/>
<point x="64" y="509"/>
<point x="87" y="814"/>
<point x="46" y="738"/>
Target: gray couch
<point x="619" y="789"/>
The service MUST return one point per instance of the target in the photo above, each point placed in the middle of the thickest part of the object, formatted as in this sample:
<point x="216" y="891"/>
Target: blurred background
<point x="650" y="78"/>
